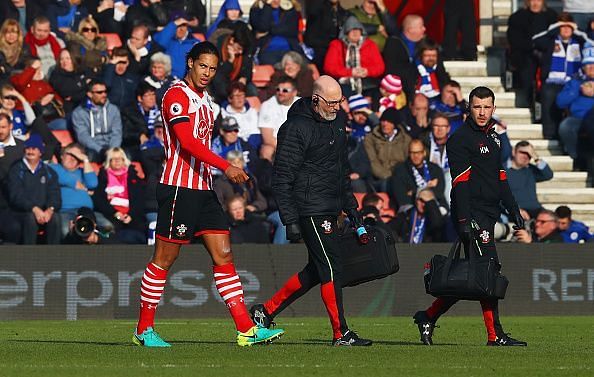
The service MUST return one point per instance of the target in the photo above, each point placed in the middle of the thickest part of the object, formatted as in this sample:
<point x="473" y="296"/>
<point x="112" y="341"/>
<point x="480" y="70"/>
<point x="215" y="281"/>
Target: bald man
<point x="312" y="186"/>
<point x="399" y="53"/>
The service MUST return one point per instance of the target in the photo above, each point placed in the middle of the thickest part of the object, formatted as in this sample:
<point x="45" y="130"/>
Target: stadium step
<point x="502" y="8"/>
<point x="559" y="163"/>
<point x="470" y="82"/>
<point x="563" y="195"/>
<point x="514" y="115"/>
<point x="566" y="180"/>
<point x="543" y="147"/>
<point x="461" y="68"/>
<point x="524" y="131"/>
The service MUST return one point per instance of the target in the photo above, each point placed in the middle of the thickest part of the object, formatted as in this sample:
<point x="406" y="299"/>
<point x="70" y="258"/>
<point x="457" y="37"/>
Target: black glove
<point x="516" y="218"/>
<point x="465" y="232"/>
<point x="293" y="232"/>
<point x="354" y="218"/>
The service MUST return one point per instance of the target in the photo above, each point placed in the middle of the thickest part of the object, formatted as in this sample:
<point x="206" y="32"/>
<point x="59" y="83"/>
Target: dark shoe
<point x="425" y="326"/>
<point x="350" y="338"/>
<point x="506" y="341"/>
<point x="260" y="317"/>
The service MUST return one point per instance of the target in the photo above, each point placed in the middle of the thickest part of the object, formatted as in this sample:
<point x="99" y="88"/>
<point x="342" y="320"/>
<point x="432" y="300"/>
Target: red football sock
<point x="291" y="286"/>
<point x="435" y="307"/>
<point x="229" y="287"/>
<point x="329" y="298"/>
<point x="151" y="289"/>
<point x="489" y="320"/>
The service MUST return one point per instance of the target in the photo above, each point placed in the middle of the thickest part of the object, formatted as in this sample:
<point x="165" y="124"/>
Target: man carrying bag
<point x="479" y="186"/>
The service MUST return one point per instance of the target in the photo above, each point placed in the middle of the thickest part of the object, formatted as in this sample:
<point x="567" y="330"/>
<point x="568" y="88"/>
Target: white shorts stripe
<point x="172" y="213"/>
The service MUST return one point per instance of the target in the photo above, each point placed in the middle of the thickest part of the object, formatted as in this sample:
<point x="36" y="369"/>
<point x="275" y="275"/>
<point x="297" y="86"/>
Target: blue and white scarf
<point x="150" y="117"/>
<point x="417" y="224"/>
<point x="438" y="158"/>
<point x="428" y="84"/>
<point x="421" y="181"/>
<point x="564" y="62"/>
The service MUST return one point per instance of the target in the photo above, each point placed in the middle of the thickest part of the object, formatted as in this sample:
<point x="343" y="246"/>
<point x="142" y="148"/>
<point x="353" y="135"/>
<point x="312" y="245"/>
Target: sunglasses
<point x="100" y="91"/>
<point x="12" y="98"/>
<point x="89" y="29"/>
<point x="228" y="131"/>
<point x="284" y="90"/>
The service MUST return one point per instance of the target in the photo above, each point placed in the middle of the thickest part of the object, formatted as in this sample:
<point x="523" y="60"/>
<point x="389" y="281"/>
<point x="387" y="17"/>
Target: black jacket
<point x="133" y="125"/>
<point x="12" y="154"/>
<point x="522" y="25"/>
<point x="27" y="190"/>
<point x="69" y="85"/>
<point x="434" y="225"/>
<point x="404" y="187"/>
<point x="323" y="22"/>
<point x="252" y="229"/>
<point x="479" y="181"/>
<point x="398" y="62"/>
<point x="152" y="16"/>
<point x="310" y="175"/>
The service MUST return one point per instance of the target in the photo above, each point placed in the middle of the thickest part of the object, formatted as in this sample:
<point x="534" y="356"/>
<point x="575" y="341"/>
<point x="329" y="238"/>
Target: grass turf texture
<point x="557" y="346"/>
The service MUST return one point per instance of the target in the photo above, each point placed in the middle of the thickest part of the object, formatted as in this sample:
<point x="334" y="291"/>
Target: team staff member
<point x="312" y="186"/>
<point x="188" y="206"/>
<point x="478" y="187"/>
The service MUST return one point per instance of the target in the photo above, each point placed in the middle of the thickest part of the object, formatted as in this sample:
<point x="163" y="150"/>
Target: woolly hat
<point x="588" y="55"/>
<point x="391" y="115"/>
<point x="357" y="103"/>
<point x="391" y="84"/>
<point x="351" y="23"/>
<point x="229" y="124"/>
<point x="35" y="141"/>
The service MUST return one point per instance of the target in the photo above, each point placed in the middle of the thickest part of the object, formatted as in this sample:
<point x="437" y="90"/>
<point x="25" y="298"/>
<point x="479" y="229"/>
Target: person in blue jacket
<point x="177" y="40"/>
<point x="572" y="231"/>
<point x="577" y="96"/>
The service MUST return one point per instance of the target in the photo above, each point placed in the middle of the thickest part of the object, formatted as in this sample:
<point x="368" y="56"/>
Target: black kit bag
<point x="366" y="262"/>
<point x="469" y="278"/>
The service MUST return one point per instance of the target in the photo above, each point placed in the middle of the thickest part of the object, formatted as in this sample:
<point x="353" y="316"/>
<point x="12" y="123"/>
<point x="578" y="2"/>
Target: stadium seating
<point x="254" y="102"/>
<point x="261" y="75"/>
<point x="113" y="40"/>
<point x="63" y="136"/>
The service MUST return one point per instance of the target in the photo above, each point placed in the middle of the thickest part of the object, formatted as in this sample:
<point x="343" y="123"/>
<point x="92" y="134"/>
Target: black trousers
<point x="486" y="220"/>
<point x="324" y="267"/>
<point x="459" y="16"/>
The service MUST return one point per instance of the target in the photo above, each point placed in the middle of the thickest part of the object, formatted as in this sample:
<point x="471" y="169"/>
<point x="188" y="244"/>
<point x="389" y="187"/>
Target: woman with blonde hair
<point x="13" y="52"/>
<point x="119" y="196"/>
<point x="87" y="47"/>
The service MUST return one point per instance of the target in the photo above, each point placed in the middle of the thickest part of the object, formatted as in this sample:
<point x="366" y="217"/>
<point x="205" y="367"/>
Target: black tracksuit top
<point x="479" y="182"/>
<point x="310" y="176"/>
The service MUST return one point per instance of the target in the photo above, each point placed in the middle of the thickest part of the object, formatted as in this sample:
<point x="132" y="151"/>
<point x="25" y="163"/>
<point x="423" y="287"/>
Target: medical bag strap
<point x="453" y="255"/>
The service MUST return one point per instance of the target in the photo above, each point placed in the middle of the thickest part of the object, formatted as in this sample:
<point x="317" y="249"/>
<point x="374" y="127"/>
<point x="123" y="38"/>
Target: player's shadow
<point x="382" y="342"/>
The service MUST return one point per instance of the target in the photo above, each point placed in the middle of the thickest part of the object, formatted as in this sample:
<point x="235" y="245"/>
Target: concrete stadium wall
<point x="103" y="282"/>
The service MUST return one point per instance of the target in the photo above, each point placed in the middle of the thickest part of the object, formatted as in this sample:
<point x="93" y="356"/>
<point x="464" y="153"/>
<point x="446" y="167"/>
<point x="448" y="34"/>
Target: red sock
<point x="151" y="289"/>
<point x="290" y="287"/>
<point x="489" y="320"/>
<point x="329" y="298"/>
<point x="435" y="307"/>
<point x="229" y="287"/>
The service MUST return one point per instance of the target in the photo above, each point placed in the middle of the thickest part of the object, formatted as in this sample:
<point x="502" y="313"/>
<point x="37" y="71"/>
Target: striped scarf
<point x="428" y="84"/>
<point x="421" y="181"/>
<point x="417" y="224"/>
<point x="564" y="62"/>
<point x="353" y="60"/>
<point x="150" y="117"/>
<point x="438" y="158"/>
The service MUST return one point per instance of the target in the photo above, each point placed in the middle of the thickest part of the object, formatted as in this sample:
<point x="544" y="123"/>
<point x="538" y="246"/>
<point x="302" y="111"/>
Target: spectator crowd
<point x="81" y="135"/>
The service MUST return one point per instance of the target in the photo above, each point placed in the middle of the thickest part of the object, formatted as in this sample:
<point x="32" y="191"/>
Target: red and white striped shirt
<point x="191" y="112"/>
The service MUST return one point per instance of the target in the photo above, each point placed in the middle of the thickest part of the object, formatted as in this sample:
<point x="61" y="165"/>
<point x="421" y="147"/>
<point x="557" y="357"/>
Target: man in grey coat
<point x="97" y="123"/>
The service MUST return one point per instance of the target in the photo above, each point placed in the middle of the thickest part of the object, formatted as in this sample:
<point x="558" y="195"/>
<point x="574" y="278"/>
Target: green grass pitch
<point x="557" y="346"/>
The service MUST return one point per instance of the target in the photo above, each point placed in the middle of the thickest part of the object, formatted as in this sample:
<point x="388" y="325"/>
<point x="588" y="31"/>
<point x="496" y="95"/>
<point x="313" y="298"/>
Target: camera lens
<point x="84" y="226"/>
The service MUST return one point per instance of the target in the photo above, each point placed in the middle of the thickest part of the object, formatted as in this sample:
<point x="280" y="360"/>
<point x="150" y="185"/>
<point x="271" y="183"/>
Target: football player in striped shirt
<point x="188" y="206"/>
